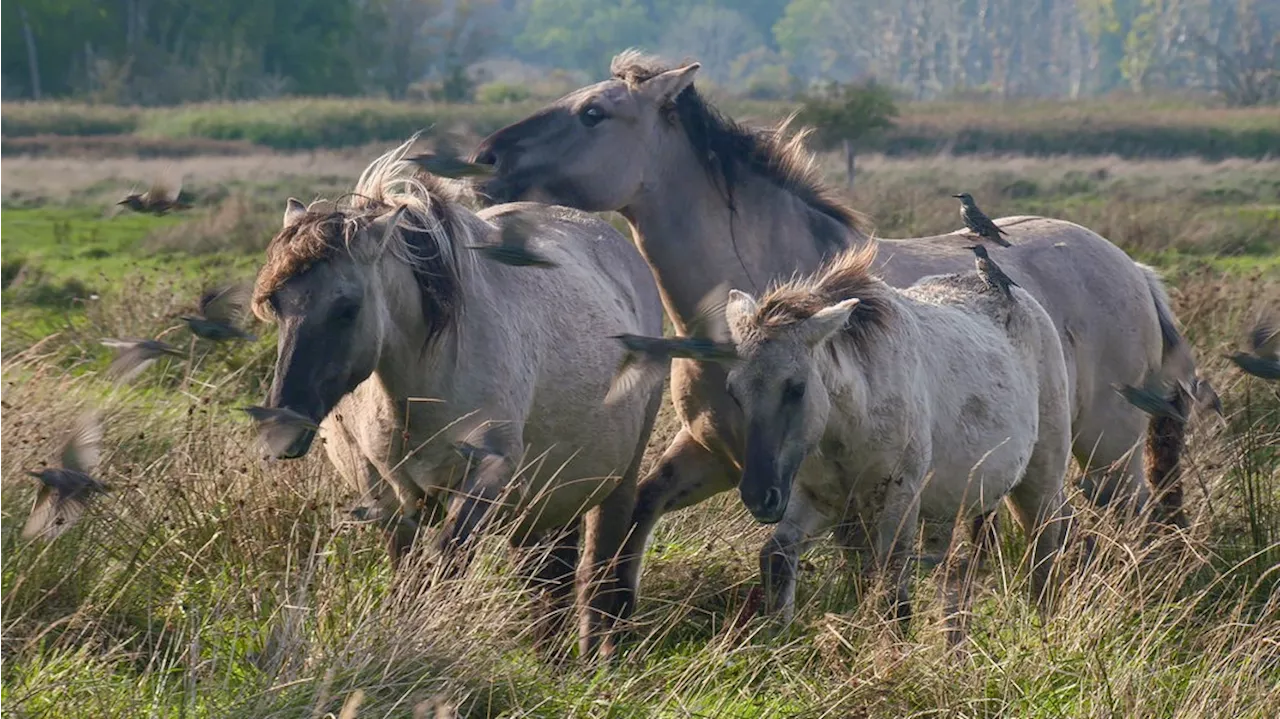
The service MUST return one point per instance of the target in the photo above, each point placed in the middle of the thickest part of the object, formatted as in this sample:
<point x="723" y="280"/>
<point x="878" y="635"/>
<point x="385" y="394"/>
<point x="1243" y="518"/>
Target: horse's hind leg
<point x="547" y="565"/>
<point x="1108" y="448"/>
<point x="687" y="474"/>
<point x="1039" y="505"/>
<point x="603" y="590"/>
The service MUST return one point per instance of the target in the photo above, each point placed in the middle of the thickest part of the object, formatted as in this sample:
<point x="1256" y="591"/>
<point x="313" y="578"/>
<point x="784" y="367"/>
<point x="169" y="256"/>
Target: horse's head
<point x="780" y="390"/>
<point x="592" y="148"/>
<point x="322" y="285"/>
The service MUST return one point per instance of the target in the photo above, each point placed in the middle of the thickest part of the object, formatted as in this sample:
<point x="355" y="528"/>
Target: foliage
<point x="848" y="112"/>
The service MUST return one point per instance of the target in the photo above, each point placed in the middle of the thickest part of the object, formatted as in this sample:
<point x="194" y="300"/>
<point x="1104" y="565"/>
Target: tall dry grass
<point x="211" y="584"/>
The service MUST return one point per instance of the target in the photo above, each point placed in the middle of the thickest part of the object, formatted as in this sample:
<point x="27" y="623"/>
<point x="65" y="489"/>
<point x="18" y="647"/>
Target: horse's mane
<point x="430" y="227"/>
<point x="731" y="150"/>
<point x="846" y="276"/>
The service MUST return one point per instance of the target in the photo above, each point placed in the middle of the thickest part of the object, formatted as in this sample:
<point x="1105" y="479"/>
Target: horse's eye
<point x="345" y="312"/>
<point x="592" y="116"/>
<point x="792" y="392"/>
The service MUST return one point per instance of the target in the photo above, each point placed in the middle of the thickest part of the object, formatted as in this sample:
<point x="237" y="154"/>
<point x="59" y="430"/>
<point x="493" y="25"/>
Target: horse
<point x="877" y="410"/>
<point x="403" y="345"/>
<point x="710" y="201"/>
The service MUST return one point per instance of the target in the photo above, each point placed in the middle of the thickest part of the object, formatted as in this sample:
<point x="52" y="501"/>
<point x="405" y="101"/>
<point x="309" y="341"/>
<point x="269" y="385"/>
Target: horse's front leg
<point x="781" y="554"/>
<point x="603" y="590"/>
<point x="895" y="535"/>
<point x="487" y="480"/>
<point x="687" y="474"/>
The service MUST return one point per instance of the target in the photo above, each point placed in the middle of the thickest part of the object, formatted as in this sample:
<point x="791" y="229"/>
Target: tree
<point x="845" y="114"/>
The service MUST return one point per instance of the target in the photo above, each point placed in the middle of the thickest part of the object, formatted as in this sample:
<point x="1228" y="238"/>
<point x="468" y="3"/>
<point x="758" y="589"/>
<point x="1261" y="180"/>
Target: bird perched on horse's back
<point x="978" y="222"/>
<point x="992" y="276"/>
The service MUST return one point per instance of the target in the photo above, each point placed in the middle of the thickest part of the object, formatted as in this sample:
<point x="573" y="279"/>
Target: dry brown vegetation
<point x="209" y="584"/>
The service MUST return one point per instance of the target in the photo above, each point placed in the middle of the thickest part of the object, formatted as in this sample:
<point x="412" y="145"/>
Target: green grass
<point x="210" y="584"/>
<point x="1125" y="127"/>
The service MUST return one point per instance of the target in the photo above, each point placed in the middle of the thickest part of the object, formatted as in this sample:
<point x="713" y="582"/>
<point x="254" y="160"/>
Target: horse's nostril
<point x="772" y="499"/>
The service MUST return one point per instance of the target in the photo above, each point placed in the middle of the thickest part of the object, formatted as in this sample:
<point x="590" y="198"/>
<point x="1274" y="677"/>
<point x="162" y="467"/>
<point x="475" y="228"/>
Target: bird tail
<point x="1166" y="436"/>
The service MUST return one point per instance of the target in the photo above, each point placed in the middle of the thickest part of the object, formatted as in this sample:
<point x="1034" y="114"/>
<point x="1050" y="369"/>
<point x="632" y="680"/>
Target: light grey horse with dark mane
<point x="405" y="346"/>
<point x="710" y="201"/>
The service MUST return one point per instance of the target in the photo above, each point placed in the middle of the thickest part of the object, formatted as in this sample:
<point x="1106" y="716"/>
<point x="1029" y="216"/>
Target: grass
<point x="1129" y="127"/>
<point x="209" y="584"/>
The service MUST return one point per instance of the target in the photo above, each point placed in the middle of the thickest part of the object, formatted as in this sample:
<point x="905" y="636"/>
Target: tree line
<point x="155" y="52"/>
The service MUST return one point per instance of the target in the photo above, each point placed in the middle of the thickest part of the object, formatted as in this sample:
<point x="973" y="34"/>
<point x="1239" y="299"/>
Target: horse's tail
<point x="1166" y="436"/>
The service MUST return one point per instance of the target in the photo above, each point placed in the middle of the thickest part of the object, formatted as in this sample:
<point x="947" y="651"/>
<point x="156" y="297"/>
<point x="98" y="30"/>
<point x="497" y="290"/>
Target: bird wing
<point x="1265" y="338"/>
<point x="710" y="320"/>
<point x="635" y="375"/>
<point x="53" y="513"/>
<point x="226" y="304"/>
<point x="518" y="228"/>
<point x="164" y="189"/>
<point x="83" y="450"/>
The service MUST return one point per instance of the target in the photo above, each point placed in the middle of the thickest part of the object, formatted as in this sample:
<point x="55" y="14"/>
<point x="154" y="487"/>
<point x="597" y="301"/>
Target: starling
<point x="133" y="356"/>
<point x="513" y="244"/>
<point x="221" y="309"/>
<point x="1264" y="361"/>
<point x="447" y="161"/>
<point x="279" y="427"/>
<point x="646" y="360"/>
<point x="978" y="223"/>
<point x="1154" y="397"/>
<point x="1206" y="397"/>
<point x="65" y="491"/>
<point x="992" y="276"/>
<point x="159" y="199"/>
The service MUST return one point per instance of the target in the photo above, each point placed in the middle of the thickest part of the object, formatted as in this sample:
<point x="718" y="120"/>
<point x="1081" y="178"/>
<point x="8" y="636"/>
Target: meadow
<point x="211" y="584"/>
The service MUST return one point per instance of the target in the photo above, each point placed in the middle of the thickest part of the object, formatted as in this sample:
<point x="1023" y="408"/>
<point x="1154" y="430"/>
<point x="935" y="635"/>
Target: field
<point x="210" y="584"/>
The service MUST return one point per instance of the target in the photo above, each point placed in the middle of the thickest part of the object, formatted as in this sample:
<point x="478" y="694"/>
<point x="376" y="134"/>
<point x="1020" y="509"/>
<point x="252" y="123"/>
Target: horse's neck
<point x="694" y="239"/>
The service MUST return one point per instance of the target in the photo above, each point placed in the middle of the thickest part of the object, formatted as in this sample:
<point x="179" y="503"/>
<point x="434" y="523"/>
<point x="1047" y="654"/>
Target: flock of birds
<point x="65" y="490"/>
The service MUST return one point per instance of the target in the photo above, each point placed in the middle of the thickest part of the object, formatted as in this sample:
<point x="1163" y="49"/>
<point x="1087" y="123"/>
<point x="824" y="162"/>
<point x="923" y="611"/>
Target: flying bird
<point x="65" y="491"/>
<point x="647" y="359"/>
<point x="279" y="427"/>
<point x="447" y="161"/>
<point x="1155" y="397"/>
<point x="159" y="199"/>
<point x="133" y="356"/>
<point x="512" y="247"/>
<point x="992" y="276"/>
<point x="977" y="221"/>
<point x="1264" y="340"/>
<point x="221" y="310"/>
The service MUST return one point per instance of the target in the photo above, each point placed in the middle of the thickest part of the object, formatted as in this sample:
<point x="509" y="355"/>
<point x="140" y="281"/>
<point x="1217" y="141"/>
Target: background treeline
<point x="164" y="52"/>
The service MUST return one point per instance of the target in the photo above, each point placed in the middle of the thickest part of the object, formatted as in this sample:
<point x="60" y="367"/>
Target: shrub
<point x="848" y="112"/>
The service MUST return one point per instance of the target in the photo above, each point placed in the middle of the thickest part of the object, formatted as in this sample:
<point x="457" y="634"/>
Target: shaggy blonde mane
<point x="729" y="149"/>
<point x="429" y="228"/>
<point x="845" y="276"/>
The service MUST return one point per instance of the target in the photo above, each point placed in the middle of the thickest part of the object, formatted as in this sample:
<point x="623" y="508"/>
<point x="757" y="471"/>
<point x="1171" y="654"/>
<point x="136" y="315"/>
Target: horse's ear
<point x="827" y="321"/>
<point x="293" y="211"/>
<point x="385" y="226"/>
<point x="739" y="308"/>
<point x="664" y="88"/>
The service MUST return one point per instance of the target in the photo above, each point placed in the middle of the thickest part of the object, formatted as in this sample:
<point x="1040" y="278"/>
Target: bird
<point x="978" y="223"/>
<point x="447" y="161"/>
<point x="646" y="360"/>
<point x="512" y="247"/>
<point x="220" y="311"/>
<point x="65" y="491"/>
<point x="134" y="355"/>
<point x="1155" y="397"/>
<point x="279" y="427"/>
<point x="992" y="276"/>
<point x="159" y="199"/>
<point x="1264" y="340"/>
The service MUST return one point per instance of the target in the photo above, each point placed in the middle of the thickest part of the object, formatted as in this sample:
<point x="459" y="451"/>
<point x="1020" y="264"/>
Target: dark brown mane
<point x="324" y="234"/>
<point x="846" y="276"/>
<point x="731" y="150"/>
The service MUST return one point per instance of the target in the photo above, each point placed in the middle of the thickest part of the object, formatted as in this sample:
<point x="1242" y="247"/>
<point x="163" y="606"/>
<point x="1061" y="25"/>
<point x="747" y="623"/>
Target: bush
<point x="22" y="119"/>
<point x="496" y="93"/>
<point x="848" y="112"/>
